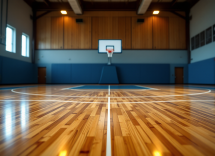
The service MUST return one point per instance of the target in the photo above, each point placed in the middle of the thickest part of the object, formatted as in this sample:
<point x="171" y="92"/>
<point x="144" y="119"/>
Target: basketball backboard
<point x="103" y="45"/>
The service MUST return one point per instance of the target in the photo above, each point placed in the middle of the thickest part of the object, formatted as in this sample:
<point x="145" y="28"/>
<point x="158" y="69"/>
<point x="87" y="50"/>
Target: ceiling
<point x="110" y="5"/>
<point x="111" y="0"/>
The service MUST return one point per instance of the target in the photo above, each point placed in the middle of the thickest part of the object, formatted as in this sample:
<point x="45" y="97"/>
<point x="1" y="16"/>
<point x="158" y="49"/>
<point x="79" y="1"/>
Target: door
<point x="41" y="75"/>
<point x="179" y="75"/>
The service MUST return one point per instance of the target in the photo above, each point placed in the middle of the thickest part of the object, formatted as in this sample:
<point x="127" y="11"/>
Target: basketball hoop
<point x="110" y="54"/>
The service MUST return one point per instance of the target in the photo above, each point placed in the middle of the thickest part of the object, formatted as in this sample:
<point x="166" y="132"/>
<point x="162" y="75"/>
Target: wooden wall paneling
<point x="43" y="36"/>
<point x="134" y="33"/>
<point x="173" y="33"/>
<point x="95" y="32"/>
<point x="73" y="28"/>
<point x="121" y="31"/>
<point x="160" y="32"/>
<point x="147" y="42"/>
<point x="107" y="28"/>
<point x="84" y="34"/>
<point x="48" y="33"/>
<point x="40" y="36"/>
<point x="128" y="33"/>
<point x="101" y="28"/>
<point x="142" y="33"/>
<point x="168" y="31"/>
<point x="67" y="32"/>
<point x="87" y="33"/>
<point x="57" y="33"/>
<point x="177" y="33"/>
<point x="115" y="27"/>
<point x="182" y="34"/>
<point x="77" y="35"/>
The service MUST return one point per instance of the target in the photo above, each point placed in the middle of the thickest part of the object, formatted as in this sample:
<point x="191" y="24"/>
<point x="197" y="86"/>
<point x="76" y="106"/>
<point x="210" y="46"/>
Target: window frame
<point x="13" y="39"/>
<point x="27" y="45"/>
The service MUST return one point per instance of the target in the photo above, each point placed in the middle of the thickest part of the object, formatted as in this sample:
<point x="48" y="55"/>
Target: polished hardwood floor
<point x="49" y="121"/>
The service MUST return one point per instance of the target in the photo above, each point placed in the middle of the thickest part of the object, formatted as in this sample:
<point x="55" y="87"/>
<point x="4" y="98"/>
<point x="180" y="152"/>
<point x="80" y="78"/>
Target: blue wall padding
<point x="202" y="72"/>
<point x="127" y="73"/>
<point x="96" y="72"/>
<point x="109" y="75"/>
<point x="81" y="73"/>
<point x="153" y="73"/>
<point x="17" y="72"/>
<point x="76" y="73"/>
<point x="61" y="73"/>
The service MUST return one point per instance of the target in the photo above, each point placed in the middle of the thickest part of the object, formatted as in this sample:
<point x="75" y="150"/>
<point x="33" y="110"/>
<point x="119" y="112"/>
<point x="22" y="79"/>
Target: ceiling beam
<point x="29" y="2"/>
<point x="192" y="2"/>
<point x="110" y="6"/>
<point x="179" y="15"/>
<point x="45" y="13"/>
<point x="52" y="6"/>
<point x="182" y="6"/>
<point x="46" y="2"/>
<point x="76" y="6"/>
<point x="173" y="2"/>
<point x="143" y="6"/>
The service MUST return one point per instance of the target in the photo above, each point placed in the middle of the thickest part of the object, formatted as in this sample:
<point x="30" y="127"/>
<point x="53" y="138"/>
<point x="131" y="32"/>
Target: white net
<point x="110" y="52"/>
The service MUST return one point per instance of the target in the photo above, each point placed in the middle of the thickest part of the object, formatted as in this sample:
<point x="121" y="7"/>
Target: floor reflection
<point x="9" y="120"/>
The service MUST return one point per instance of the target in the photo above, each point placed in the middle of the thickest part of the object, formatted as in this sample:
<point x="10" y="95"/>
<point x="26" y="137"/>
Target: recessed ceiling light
<point x="64" y="12"/>
<point x="156" y="12"/>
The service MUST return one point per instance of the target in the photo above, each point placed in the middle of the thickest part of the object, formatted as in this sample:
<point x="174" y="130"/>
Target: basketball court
<point x="108" y="120"/>
<point x="107" y="78"/>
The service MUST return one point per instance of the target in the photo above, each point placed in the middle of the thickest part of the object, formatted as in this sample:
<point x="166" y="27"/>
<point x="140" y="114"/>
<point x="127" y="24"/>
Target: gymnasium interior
<point x="107" y="77"/>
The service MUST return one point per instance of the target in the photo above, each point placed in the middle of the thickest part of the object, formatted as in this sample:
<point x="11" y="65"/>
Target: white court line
<point x="71" y="87"/>
<point x="108" y="143"/>
<point x="113" y="102"/>
<point x="147" y="87"/>
<point x="111" y="97"/>
<point x="109" y="85"/>
<point x="109" y="90"/>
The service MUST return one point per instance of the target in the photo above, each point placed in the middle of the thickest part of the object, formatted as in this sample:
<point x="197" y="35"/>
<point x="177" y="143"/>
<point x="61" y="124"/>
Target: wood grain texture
<point x="160" y="32"/>
<point x="57" y="32"/>
<point x="164" y="31"/>
<point x="43" y="35"/>
<point x="142" y="33"/>
<point x="177" y="33"/>
<point x="45" y="120"/>
<point x="77" y="35"/>
<point x="111" y="28"/>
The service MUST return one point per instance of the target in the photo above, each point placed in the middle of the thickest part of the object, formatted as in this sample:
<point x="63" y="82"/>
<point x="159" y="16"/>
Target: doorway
<point x="179" y="75"/>
<point x="41" y="75"/>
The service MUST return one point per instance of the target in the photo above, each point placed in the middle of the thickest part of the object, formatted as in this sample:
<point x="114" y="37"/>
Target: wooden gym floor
<point x="49" y="121"/>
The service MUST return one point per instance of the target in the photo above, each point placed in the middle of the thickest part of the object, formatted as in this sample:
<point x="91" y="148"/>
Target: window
<point x="192" y="43"/>
<point x="197" y="41"/>
<point x="202" y="38"/>
<point x="25" y="45"/>
<point x="208" y="35"/>
<point x="10" y="39"/>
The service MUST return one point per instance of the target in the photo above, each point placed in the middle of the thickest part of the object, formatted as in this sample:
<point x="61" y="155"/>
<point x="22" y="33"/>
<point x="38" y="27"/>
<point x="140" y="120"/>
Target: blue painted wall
<point x="17" y="72"/>
<point x="127" y="73"/>
<point x="202" y="18"/>
<point x="202" y="72"/>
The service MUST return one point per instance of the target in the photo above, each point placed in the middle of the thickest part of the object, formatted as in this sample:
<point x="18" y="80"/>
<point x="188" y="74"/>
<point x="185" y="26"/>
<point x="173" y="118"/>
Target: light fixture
<point x="64" y="12"/>
<point x="156" y="12"/>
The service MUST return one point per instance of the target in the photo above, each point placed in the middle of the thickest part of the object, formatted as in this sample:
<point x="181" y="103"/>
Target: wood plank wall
<point x="165" y="31"/>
